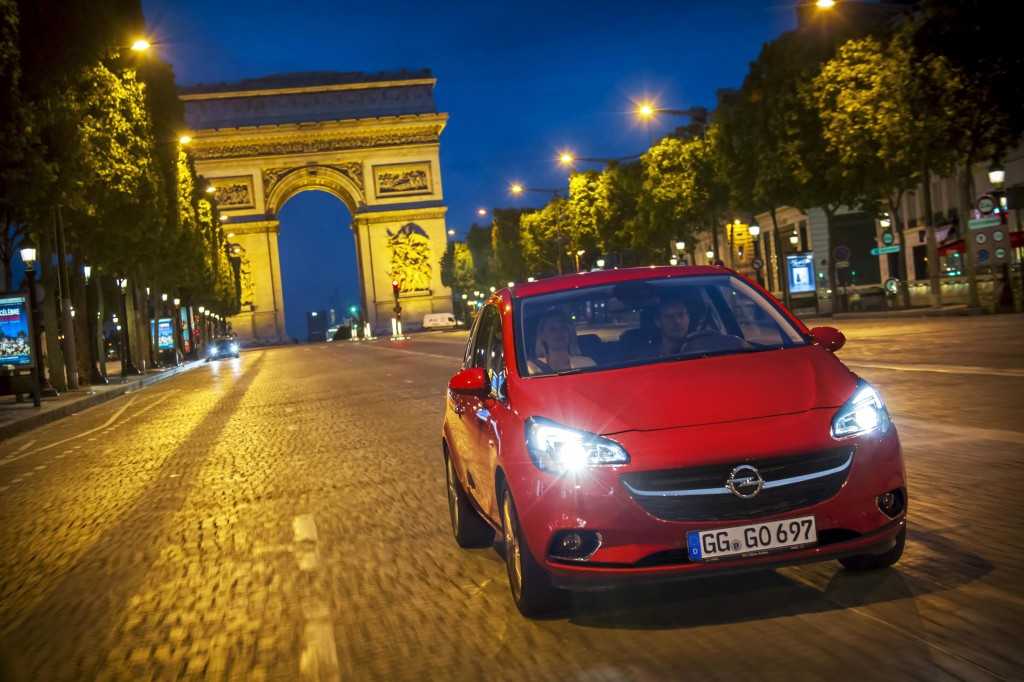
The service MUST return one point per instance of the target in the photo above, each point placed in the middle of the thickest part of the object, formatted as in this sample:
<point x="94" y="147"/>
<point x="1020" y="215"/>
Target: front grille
<point x="699" y="493"/>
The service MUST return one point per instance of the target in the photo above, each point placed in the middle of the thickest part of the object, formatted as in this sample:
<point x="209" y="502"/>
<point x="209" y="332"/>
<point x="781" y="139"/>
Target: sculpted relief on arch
<point x="410" y="258"/>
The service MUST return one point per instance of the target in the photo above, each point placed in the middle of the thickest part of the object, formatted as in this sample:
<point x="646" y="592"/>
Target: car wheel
<point x="529" y="582"/>
<point x="872" y="562"/>
<point x="469" y="529"/>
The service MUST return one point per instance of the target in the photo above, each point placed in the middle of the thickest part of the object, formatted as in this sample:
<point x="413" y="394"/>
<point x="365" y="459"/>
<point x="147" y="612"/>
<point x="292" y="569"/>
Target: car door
<point x="462" y="424"/>
<point x="489" y="414"/>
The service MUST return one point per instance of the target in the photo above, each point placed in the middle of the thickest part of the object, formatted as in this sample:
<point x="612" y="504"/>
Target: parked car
<point x="650" y="424"/>
<point x="223" y="347"/>
<point x="440" y="321"/>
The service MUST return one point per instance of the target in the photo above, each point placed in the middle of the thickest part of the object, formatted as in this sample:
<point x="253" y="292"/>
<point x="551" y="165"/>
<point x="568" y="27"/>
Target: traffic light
<point x="395" y="288"/>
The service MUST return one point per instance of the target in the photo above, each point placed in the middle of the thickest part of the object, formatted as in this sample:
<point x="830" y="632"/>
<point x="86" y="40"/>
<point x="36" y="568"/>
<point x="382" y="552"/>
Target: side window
<point x="481" y="343"/>
<point x="467" y="359"/>
<point x="496" y="357"/>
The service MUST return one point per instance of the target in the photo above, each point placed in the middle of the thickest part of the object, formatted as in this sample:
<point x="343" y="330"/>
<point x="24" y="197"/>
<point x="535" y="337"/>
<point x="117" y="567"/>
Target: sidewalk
<point x="17" y="417"/>
<point x="943" y="311"/>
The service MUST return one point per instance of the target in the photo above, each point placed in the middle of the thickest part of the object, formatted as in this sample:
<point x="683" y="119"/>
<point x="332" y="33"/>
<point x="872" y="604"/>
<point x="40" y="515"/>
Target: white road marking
<point x="24" y="446"/>
<point x="955" y="430"/>
<point x="319" y="658"/>
<point x="105" y="425"/>
<point x="941" y="369"/>
<point x="450" y="358"/>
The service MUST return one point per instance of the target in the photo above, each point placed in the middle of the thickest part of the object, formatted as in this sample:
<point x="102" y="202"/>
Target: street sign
<point x="758" y="263"/>
<point x="982" y="223"/>
<point x="892" y="285"/>
<point x="981" y="238"/>
<point x="879" y="250"/>
<point x="986" y="204"/>
<point x="842" y="264"/>
<point x="1000" y="253"/>
<point x="982" y="255"/>
<point x="841" y="253"/>
<point x="888" y="238"/>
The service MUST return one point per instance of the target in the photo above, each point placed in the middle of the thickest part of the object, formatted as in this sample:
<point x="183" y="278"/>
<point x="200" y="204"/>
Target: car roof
<point x="578" y="280"/>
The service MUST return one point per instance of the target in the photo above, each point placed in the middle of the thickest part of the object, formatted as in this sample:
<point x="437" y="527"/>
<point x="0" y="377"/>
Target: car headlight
<point x="234" y="348"/>
<point x="213" y="350"/>
<point x="862" y="413"/>
<point x="560" y="449"/>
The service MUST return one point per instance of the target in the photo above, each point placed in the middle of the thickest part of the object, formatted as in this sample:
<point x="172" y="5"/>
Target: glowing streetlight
<point x="996" y="176"/>
<point x="511" y="284"/>
<point x="673" y="261"/>
<point x="177" y="302"/>
<point x="451" y="233"/>
<point x="87" y="271"/>
<point x="794" y="239"/>
<point x="645" y="110"/>
<point x="754" y="230"/>
<point x="493" y="289"/>
<point x="599" y="263"/>
<point x="516" y="188"/>
<point x="184" y="139"/>
<point x="229" y="235"/>
<point x="710" y="254"/>
<point x="680" y="245"/>
<point x="481" y="212"/>
<point x="825" y="4"/>
<point x="141" y="45"/>
<point x="28" y="257"/>
<point x="210" y="189"/>
<point x="202" y="309"/>
<point x="531" y="279"/>
<point x="566" y="158"/>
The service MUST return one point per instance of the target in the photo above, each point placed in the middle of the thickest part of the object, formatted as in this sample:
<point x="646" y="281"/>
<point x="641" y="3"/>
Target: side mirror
<point x="830" y="338"/>
<point x="469" y="381"/>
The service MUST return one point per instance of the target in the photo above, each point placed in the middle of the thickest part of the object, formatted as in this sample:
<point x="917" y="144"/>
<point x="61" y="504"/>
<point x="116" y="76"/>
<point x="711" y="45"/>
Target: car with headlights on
<point x="649" y="424"/>
<point x="223" y="347"/>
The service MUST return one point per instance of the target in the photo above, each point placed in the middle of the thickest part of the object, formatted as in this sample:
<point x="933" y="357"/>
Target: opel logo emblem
<point x="744" y="481"/>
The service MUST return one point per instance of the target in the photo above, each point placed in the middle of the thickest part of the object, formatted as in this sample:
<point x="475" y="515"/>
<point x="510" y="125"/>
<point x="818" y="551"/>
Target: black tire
<point x="469" y="529"/>
<point x="873" y="562"/>
<point x="529" y="583"/>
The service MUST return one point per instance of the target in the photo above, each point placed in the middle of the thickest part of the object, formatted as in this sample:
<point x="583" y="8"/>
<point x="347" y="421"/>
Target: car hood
<point x="690" y="392"/>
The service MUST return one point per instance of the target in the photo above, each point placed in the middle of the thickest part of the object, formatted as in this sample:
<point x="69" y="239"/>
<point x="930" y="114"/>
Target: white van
<point x="439" y="321"/>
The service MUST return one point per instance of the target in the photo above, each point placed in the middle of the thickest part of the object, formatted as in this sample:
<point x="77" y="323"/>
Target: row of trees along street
<point x="852" y="109"/>
<point x="95" y="168"/>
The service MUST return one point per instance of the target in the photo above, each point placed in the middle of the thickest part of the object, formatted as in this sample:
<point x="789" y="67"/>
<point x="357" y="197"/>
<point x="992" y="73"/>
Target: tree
<point x="543" y="238"/>
<point x="507" y="246"/>
<point x="683" y="188"/>
<point x="478" y="241"/>
<point x="882" y="114"/>
<point x="588" y="211"/>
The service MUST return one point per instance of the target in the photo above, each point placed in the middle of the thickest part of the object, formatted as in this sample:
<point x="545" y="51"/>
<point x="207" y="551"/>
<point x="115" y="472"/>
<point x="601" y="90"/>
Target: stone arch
<point x="337" y="181"/>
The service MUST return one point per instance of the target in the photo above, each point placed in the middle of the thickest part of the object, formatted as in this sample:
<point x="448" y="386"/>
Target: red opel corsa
<point x="648" y="424"/>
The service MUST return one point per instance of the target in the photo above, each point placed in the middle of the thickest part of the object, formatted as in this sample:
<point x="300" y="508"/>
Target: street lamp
<point x="184" y="139"/>
<point x="140" y="45"/>
<point x="28" y="257"/>
<point x="754" y="230"/>
<point x="579" y="252"/>
<point x="825" y="4"/>
<point x="710" y="254"/>
<point x="673" y="261"/>
<point x="566" y="158"/>
<point x="647" y="110"/>
<point x="87" y="271"/>
<point x="599" y="263"/>
<point x="680" y="246"/>
<point x="210" y="189"/>
<point x="481" y="212"/>
<point x="451" y="233"/>
<point x="127" y="366"/>
<point x="996" y="176"/>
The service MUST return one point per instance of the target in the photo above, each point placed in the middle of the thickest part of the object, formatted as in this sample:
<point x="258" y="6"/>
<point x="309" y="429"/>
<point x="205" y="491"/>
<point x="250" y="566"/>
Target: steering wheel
<point x="710" y="340"/>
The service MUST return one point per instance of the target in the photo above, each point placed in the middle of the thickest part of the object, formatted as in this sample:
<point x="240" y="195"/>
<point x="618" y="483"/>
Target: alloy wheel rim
<point x="453" y="507"/>
<point x="513" y="553"/>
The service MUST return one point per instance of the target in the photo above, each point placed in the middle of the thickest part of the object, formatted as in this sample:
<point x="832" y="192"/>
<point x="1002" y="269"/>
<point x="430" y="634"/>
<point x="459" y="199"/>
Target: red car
<point x="646" y="424"/>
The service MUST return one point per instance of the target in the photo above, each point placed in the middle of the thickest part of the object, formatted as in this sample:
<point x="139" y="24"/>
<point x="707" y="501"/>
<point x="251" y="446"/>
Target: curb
<point x="36" y="420"/>
<point x="953" y="311"/>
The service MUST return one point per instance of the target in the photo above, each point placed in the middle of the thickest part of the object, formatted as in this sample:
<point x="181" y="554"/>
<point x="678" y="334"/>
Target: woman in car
<point x="556" y="348"/>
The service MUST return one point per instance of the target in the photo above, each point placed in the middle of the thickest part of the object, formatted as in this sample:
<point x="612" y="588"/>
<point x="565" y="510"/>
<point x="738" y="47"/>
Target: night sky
<point x="518" y="80"/>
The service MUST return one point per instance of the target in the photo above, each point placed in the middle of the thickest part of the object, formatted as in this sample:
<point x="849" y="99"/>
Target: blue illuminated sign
<point x="800" y="267"/>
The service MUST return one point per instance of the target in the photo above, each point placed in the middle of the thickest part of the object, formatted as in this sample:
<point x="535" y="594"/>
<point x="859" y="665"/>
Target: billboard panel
<point x="15" y="331"/>
<point x="800" y="268"/>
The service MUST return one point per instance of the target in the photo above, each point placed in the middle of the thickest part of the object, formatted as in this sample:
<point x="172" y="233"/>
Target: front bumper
<point x="637" y="547"/>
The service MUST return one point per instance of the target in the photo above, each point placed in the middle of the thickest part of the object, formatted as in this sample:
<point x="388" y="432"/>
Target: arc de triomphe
<point x="370" y="140"/>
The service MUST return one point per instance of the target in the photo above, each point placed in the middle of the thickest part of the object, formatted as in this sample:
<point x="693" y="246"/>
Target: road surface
<point x="283" y="516"/>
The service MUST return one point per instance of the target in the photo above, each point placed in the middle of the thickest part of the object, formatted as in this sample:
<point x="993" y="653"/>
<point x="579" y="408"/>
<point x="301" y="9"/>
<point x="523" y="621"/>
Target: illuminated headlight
<point x="213" y="350"/>
<point x="234" y="347"/>
<point x="559" y="449"/>
<point x="862" y="413"/>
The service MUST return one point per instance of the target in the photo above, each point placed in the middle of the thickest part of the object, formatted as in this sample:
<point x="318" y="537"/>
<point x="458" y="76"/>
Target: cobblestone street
<point x="283" y="516"/>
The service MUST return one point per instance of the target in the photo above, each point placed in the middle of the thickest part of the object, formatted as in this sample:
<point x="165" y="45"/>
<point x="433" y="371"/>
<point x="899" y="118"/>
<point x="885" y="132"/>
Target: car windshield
<point x="645" y="321"/>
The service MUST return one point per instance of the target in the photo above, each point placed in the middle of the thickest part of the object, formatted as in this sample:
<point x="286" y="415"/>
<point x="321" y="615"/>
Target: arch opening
<point x="319" y="267"/>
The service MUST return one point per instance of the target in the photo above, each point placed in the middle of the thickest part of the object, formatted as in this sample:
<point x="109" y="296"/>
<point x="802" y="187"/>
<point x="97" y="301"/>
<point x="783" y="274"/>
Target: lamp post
<point x="127" y="366"/>
<point x="579" y="252"/>
<point x="96" y="375"/>
<point x="28" y="257"/>
<point x="178" y="332"/>
<point x="755" y="233"/>
<point x="647" y="111"/>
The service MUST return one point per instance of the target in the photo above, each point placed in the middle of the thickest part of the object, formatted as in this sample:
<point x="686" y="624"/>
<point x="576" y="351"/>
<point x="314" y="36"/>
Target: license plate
<point x="704" y="545"/>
